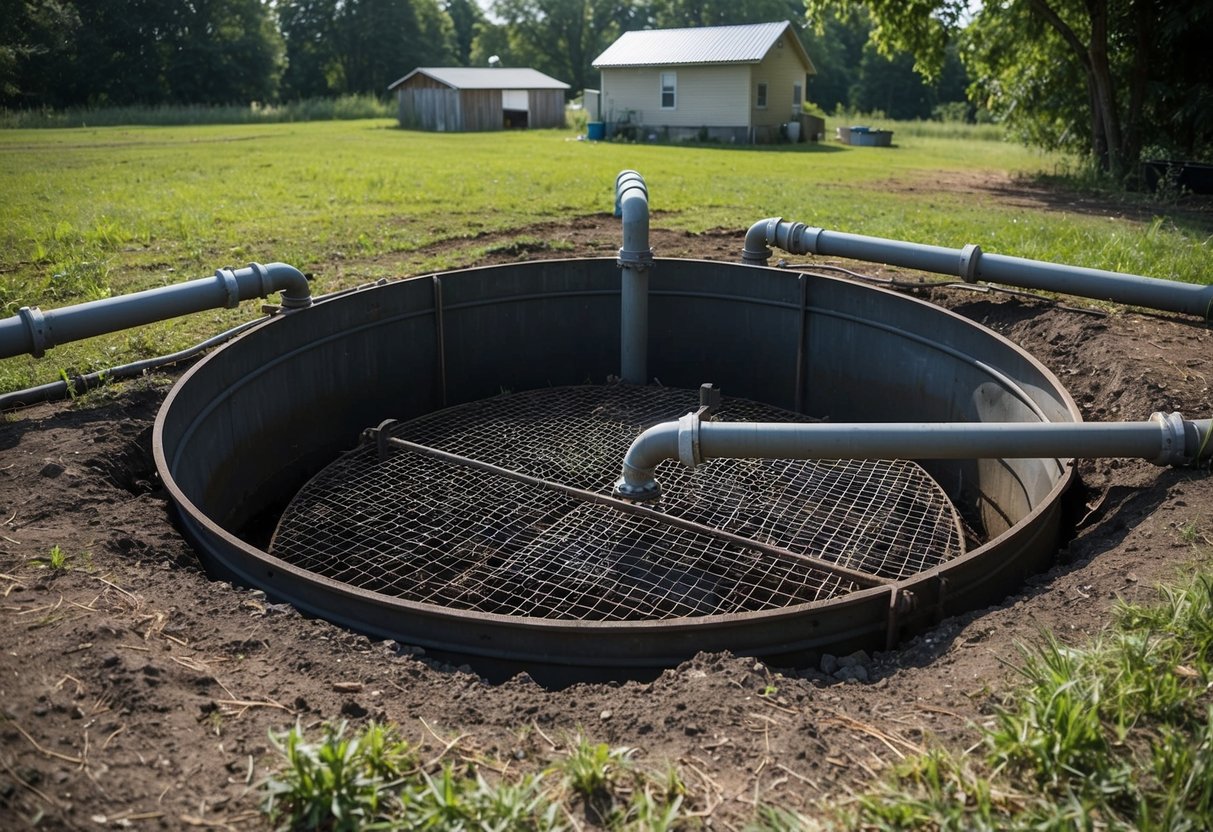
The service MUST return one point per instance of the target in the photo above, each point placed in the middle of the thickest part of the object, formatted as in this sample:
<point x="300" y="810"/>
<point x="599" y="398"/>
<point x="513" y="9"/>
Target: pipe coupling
<point x="1172" y="448"/>
<point x="689" y="452"/>
<point x="35" y="325"/>
<point x="640" y="261"/>
<point x="231" y="287"/>
<point x="970" y="256"/>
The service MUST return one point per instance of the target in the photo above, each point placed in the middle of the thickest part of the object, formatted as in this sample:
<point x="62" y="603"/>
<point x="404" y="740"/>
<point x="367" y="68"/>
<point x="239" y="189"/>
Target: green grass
<point x="1116" y="734"/>
<point x="372" y="778"/>
<point x="96" y="211"/>
<point x="312" y="109"/>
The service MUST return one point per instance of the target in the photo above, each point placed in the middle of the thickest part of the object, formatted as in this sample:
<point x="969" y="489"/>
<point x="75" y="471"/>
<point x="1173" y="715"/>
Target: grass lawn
<point x="90" y="212"/>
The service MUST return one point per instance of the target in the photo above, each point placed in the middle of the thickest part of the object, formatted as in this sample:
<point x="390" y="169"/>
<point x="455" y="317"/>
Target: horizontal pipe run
<point x="33" y="331"/>
<point x="1163" y="440"/>
<point x="972" y="264"/>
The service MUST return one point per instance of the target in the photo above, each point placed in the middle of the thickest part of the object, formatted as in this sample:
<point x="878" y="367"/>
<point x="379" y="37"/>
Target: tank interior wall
<point x="251" y="422"/>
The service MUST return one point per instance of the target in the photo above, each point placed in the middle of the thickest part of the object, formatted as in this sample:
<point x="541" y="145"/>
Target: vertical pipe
<point x="635" y="260"/>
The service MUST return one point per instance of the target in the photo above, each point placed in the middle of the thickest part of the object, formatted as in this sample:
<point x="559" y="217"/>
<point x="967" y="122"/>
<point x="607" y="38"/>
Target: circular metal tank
<point x="245" y="428"/>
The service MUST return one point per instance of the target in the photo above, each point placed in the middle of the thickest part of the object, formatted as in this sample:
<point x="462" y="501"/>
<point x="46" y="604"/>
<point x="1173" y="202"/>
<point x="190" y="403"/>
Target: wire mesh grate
<point x="432" y="531"/>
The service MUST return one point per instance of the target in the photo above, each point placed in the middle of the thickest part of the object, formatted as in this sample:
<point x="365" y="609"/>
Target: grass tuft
<point x="1116" y="734"/>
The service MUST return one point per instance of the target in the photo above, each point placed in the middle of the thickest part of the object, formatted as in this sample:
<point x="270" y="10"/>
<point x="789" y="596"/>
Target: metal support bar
<point x="971" y="264"/>
<point x="34" y="331"/>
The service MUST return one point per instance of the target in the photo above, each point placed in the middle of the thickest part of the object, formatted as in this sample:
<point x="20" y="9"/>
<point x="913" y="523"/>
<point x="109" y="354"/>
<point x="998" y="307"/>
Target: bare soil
<point x="136" y="692"/>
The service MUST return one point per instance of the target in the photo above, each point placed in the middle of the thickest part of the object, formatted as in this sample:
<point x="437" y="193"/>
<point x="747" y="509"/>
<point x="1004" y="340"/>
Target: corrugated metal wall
<point x="481" y="109"/>
<point x="430" y="109"/>
<point x="426" y="106"/>
<point x="546" y="108"/>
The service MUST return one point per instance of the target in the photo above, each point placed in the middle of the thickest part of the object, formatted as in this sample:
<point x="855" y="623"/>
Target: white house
<point x="731" y="83"/>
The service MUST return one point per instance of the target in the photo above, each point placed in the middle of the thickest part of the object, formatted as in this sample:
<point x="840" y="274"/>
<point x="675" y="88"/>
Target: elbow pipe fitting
<point x="792" y="237"/>
<point x="632" y="205"/>
<point x="33" y="331"/>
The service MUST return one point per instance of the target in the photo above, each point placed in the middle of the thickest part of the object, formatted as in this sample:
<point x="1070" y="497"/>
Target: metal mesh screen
<point x="433" y="531"/>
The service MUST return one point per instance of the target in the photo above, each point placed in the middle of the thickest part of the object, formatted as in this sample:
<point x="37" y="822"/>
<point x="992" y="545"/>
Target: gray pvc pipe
<point x="635" y="260"/>
<point x="1164" y="440"/>
<point x="33" y="331"/>
<point x="971" y="264"/>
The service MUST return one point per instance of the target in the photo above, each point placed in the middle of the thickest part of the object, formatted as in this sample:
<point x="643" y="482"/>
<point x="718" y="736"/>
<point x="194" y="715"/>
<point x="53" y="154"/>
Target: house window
<point x="796" y="97"/>
<point x="669" y="90"/>
<point x="760" y="100"/>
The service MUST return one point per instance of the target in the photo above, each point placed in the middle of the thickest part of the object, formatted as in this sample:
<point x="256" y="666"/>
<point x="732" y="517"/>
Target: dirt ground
<point x="137" y="693"/>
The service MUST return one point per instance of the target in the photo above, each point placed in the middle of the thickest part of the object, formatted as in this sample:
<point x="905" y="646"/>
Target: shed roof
<point x="491" y="78"/>
<point x="747" y="44"/>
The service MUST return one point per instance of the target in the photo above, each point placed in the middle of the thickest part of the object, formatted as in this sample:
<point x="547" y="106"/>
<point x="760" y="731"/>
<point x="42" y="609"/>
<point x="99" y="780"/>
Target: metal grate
<point x="731" y="536"/>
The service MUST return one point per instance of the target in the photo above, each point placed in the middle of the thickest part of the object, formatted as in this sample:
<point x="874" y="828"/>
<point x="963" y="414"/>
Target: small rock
<point x="692" y="729"/>
<point x="605" y="715"/>
<point x="347" y="687"/>
<point x="859" y="658"/>
<point x="829" y="664"/>
<point x="353" y="709"/>
<point x="51" y="470"/>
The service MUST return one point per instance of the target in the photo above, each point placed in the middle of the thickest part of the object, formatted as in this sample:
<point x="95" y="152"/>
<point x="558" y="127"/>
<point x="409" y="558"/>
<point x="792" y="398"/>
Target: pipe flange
<point x="1171" y="448"/>
<point x="231" y="287"/>
<point x="970" y="256"/>
<point x="638" y="260"/>
<point x="643" y="493"/>
<point x="35" y="325"/>
<point x="688" y="440"/>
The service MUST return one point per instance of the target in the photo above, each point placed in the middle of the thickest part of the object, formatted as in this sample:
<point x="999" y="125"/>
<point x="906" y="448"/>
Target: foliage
<point x="1117" y="734"/>
<point x="114" y="52"/>
<point x="372" y="779"/>
<point x="1091" y="76"/>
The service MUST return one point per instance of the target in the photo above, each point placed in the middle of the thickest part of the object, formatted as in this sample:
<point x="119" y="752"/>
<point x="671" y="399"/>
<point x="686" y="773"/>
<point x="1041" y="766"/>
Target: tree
<point x="562" y="37"/>
<point x="1064" y="68"/>
<point x="313" y="65"/>
<point x="36" y="37"/>
<point x="381" y="40"/>
<point x="671" y="14"/>
<point x="466" y="20"/>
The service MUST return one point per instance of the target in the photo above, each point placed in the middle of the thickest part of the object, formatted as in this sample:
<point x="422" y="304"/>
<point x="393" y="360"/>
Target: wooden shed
<point x="453" y="99"/>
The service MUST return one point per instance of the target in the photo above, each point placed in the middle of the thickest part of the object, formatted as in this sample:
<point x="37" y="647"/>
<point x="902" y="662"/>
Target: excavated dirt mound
<point x="138" y="693"/>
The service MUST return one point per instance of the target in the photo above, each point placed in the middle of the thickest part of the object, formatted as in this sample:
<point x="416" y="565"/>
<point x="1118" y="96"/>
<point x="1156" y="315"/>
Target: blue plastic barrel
<point x="595" y="130"/>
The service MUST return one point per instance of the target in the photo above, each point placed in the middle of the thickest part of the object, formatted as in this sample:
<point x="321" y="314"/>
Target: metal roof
<point x="491" y="78"/>
<point x="747" y="44"/>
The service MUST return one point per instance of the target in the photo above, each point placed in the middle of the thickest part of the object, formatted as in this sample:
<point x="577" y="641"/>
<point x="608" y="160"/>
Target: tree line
<point x="98" y="53"/>
<point x="1108" y="79"/>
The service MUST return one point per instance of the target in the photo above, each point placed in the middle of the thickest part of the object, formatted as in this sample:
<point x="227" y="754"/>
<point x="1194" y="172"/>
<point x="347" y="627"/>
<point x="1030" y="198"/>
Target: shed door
<point x="514" y="100"/>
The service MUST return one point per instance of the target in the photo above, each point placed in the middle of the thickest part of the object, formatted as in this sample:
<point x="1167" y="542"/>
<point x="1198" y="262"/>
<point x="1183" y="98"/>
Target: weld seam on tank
<point x="34" y="332"/>
<point x="635" y="260"/>
<point x="972" y="264"/>
<point x="1166" y="439"/>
